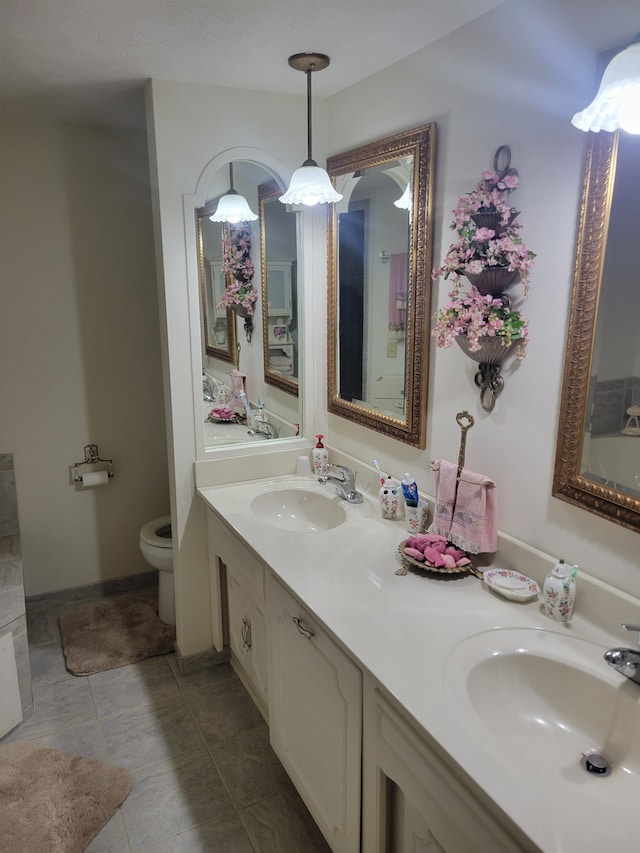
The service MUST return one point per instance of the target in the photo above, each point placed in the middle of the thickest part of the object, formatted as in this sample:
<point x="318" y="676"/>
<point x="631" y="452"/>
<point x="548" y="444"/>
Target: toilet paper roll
<point x="93" y="479"/>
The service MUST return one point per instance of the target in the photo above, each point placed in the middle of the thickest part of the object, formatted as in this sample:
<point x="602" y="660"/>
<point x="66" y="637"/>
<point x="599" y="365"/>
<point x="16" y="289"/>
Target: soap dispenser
<point x="559" y="592"/>
<point x="320" y="458"/>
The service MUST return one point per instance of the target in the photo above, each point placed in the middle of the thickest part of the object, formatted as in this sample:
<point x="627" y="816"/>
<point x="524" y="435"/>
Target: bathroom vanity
<point x="373" y="684"/>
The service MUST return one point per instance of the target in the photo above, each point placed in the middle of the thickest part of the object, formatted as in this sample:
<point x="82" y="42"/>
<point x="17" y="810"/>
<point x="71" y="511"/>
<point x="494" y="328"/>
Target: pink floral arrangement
<point x="479" y="247"/>
<point x="238" y="268"/>
<point x="478" y="316"/>
<point x="491" y="195"/>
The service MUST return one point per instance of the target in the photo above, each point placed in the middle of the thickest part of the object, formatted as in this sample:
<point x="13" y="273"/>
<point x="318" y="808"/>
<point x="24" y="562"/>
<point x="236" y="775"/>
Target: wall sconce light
<point x="310" y="184"/>
<point x="233" y="207"/>
<point x="617" y="104"/>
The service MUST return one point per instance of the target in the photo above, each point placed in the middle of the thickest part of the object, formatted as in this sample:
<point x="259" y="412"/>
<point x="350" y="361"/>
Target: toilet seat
<point x="149" y="533"/>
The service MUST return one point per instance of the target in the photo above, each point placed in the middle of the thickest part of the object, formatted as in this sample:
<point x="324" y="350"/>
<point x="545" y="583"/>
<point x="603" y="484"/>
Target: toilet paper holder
<point x="91" y="457"/>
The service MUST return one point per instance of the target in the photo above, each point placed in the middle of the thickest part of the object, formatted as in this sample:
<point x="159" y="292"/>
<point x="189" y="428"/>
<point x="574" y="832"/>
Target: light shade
<point x="310" y="185"/>
<point x="233" y="208"/>
<point x="405" y="202"/>
<point x="617" y="104"/>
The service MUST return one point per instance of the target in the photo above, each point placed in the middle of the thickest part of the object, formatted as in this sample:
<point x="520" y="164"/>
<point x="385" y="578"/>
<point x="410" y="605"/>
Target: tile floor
<point x="204" y="775"/>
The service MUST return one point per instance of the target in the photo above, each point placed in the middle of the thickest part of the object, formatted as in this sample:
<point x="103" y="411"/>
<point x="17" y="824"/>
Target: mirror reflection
<point x="239" y="404"/>
<point x="598" y="458"/>
<point x="278" y="241"/>
<point x="217" y="321"/>
<point x="380" y="254"/>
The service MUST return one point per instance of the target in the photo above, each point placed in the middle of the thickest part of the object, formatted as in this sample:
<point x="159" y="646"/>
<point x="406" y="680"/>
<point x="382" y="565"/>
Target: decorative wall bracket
<point x="488" y="377"/>
<point x="248" y="321"/>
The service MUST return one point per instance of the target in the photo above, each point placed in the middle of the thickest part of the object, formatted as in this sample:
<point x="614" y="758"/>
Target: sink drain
<point x="596" y="764"/>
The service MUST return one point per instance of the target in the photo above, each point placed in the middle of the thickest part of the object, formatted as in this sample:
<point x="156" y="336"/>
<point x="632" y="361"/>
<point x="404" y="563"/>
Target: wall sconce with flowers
<point x="490" y="253"/>
<point x="239" y="292"/>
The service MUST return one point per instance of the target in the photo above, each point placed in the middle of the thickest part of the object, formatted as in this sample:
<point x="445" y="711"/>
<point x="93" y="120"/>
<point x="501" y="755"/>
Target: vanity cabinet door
<point x="248" y="639"/>
<point x="411" y="798"/>
<point x="315" y="706"/>
<point x="240" y="639"/>
<point x="244" y="619"/>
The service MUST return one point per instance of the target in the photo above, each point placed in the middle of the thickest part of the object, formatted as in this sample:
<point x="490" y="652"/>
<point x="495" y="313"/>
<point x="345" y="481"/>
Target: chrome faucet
<point x="625" y="661"/>
<point x="346" y="488"/>
<point x="207" y="389"/>
<point x="265" y="428"/>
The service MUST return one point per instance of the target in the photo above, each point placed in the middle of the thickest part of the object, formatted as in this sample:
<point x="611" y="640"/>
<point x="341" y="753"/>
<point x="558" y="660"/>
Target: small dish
<point x="511" y="585"/>
<point x="234" y="419"/>
<point x="426" y="565"/>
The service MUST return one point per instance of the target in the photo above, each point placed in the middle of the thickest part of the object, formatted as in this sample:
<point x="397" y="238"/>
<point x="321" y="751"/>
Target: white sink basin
<point x="543" y="699"/>
<point x="299" y="510"/>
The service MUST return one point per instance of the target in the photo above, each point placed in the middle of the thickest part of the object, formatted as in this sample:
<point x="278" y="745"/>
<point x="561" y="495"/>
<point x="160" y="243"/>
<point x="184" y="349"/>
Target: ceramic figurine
<point x="559" y="592"/>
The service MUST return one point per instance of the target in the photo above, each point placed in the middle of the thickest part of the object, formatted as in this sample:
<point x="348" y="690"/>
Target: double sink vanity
<point x="417" y="712"/>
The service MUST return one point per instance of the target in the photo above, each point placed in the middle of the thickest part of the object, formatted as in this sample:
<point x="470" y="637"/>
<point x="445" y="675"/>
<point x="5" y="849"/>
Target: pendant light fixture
<point x="617" y="104"/>
<point x="233" y="207"/>
<point x="310" y="184"/>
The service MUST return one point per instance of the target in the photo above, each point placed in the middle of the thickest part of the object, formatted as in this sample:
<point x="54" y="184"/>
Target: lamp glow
<point x="617" y="104"/>
<point x="310" y="184"/>
<point x="233" y="207"/>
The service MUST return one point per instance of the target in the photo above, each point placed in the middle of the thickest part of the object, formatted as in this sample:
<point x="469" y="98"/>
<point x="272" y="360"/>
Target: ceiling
<point x="87" y="60"/>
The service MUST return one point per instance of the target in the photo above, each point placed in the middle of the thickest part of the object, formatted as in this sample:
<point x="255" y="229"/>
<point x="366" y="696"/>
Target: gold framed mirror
<point x="597" y="464"/>
<point x="380" y="246"/>
<point x="279" y="271"/>
<point x="218" y="324"/>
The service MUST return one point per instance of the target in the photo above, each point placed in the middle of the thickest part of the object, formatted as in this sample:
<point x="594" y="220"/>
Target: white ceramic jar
<point x="559" y="592"/>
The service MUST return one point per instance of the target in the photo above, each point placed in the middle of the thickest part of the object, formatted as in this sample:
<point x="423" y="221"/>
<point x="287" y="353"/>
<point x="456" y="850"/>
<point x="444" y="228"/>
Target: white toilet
<point x="156" y="545"/>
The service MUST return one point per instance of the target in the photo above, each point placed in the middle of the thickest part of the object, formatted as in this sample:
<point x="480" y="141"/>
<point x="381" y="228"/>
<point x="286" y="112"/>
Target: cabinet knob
<point x="304" y="631"/>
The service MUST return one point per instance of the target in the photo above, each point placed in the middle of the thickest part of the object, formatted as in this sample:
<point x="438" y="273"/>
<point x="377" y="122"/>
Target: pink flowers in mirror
<point x="238" y="268"/>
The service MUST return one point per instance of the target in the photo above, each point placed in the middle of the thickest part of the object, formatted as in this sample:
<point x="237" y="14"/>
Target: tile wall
<point x="12" y="605"/>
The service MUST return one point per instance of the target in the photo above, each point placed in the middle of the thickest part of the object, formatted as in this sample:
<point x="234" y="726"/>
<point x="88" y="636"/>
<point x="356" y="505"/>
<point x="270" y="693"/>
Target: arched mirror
<point x="241" y="404"/>
<point x="598" y="449"/>
<point x="278" y="242"/>
<point x="380" y="240"/>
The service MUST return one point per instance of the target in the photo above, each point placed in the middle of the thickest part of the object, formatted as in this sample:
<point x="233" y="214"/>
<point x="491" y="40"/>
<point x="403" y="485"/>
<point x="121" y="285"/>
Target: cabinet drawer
<point x="238" y="559"/>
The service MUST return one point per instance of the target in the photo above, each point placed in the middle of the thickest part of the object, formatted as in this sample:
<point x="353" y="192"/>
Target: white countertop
<point x="402" y="630"/>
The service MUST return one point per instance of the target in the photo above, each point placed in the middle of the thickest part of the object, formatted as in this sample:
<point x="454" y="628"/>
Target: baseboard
<point x="75" y="594"/>
<point x="189" y="663"/>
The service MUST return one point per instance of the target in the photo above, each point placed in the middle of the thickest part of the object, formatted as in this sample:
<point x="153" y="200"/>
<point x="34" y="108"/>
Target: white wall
<point x="516" y="76"/>
<point x="194" y="131"/>
<point x="80" y="347"/>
